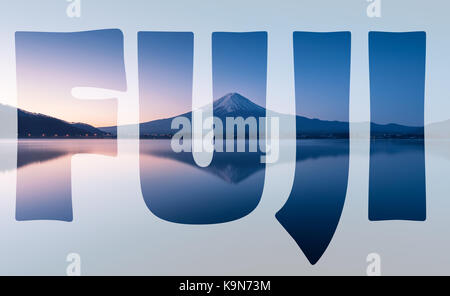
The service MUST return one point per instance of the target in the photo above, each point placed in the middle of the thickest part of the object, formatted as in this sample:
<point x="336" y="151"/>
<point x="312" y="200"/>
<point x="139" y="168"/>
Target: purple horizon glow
<point x="49" y="65"/>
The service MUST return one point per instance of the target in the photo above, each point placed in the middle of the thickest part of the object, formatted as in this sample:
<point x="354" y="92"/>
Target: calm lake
<point x="176" y="191"/>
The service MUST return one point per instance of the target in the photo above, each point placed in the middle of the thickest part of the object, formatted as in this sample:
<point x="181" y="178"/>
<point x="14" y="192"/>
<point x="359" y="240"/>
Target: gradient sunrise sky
<point x="166" y="70"/>
<point x="397" y="77"/>
<point x="322" y="74"/>
<point x="49" y="65"/>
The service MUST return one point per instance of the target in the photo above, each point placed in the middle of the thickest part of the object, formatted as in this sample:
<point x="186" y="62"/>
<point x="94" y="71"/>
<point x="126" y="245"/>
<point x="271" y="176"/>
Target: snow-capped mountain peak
<point x="236" y="103"/>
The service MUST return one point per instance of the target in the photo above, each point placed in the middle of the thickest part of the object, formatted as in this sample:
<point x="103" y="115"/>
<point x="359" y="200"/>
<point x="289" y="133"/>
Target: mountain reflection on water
<point x="44" y="190"/>
<point x="175" y="189"/>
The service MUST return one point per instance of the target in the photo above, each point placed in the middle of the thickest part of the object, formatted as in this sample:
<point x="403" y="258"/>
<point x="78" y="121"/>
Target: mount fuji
<point x="230" y="105"/>
<point x="236" y="105"/>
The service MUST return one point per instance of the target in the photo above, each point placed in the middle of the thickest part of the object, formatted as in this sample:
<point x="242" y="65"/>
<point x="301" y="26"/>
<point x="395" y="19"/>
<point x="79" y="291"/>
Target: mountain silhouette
<point x="36" y="125"/>
<point x="236" y="105"/>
